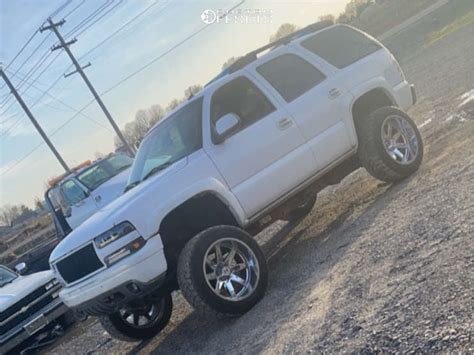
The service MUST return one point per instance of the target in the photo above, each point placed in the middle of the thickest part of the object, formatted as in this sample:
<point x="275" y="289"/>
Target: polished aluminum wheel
<point x="400" y="140"/>
<point x="143" y="316"/>
<point x="231" y="269"/>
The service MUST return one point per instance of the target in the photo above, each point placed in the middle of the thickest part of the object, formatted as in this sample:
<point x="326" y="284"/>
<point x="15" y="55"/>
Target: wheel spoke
<point x="218" y="253"/>
<point x="230" y="288"/>
<point x="237" y="279"/>
<point x="230" y="256"/>
<point x="136" y="318"/>
<point x="239" y="267"/>
<point x="219" y="285"/>
<point x="211" y="264"/>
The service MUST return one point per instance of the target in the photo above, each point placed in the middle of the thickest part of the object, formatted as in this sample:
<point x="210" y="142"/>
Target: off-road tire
<point x="119" y="329"/>
<point x="372" y="153"/>
<point x="193" y="283"/>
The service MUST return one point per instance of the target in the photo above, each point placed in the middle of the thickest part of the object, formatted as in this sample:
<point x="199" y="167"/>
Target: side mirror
<point x="21" y="268"/>
<point x="226" y="126"/>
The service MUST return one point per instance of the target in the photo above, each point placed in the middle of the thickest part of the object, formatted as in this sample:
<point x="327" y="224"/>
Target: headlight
<point x="127" y="250"/>
<point x="113" y="234"/>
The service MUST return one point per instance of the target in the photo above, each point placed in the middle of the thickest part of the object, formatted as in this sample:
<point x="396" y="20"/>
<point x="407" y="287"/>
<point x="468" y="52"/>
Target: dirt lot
<point x="374" y="267"/>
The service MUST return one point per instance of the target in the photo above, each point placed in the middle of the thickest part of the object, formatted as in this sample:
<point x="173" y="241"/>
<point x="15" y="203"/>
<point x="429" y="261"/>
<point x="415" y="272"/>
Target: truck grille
<point x="26" y="307"/>
<point x="79" y="264"/>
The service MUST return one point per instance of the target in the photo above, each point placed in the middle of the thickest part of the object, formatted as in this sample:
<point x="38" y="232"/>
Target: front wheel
<point x="139" y="321"/>
<point x="222" y="270"/>
<point x="390" y="145"/>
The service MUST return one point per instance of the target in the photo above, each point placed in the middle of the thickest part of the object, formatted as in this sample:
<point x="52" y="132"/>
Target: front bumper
<point x="111" y="301"/>
<point x="18" y="335"/>
<point x="142" y="267"/>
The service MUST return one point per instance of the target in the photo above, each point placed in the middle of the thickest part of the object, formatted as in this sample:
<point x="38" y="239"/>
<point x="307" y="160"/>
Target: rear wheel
<point x="222" y="270"/>
<point x="139" y="321"/>
<point x="390" y="145"/>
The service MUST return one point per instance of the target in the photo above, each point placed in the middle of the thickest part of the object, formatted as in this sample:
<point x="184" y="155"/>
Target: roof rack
<point x="252" y="56"/>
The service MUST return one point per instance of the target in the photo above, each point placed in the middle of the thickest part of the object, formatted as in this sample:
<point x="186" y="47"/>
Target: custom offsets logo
<point x="238" y="16"/>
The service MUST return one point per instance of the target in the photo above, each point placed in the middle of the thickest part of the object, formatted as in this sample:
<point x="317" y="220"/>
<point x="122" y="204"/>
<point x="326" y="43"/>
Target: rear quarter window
<point x="341" y="46"/>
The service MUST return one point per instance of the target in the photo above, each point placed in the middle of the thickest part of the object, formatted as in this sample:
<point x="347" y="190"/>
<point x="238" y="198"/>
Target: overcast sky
<point x="162" y="26"/>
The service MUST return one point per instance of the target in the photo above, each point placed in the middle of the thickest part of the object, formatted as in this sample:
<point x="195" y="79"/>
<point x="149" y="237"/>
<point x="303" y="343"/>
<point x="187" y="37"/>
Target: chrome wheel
<point x="400" y="140"/>
<point x="143" y="316"/>
<point x="231" y="269"/>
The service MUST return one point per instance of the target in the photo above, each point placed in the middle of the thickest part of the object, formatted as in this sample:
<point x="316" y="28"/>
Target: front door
<point x="267" y="156"/>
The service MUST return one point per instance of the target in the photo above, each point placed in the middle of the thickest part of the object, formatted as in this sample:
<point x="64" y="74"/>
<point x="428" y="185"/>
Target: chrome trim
<point x="26" y="308"/>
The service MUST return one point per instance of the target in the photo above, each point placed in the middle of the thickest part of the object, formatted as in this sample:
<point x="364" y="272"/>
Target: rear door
<point x="267" y="156"/>
<point x="318" y="105"/>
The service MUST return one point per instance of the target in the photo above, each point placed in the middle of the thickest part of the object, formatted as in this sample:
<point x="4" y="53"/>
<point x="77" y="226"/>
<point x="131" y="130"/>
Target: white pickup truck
<point x="28" y="304"/>
<point x="74" y="197"/>
<point x="255" y="145"/>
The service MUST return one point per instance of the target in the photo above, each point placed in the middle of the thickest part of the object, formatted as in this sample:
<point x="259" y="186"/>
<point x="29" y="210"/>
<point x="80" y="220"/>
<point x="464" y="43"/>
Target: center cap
<point x="226" y="271"/>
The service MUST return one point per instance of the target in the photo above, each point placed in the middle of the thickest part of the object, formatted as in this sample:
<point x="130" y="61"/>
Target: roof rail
<point x="252" y="56"/>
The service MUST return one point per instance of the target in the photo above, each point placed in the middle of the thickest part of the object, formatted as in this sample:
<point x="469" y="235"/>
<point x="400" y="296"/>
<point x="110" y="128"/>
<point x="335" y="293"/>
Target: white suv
<point x="255" y="145"/>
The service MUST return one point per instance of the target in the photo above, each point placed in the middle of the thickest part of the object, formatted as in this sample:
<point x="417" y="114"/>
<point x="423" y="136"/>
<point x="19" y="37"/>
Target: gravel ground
<point x="375" y="267"/>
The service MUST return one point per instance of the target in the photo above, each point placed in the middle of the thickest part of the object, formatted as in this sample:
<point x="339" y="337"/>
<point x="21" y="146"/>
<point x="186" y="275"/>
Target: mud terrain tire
<point x="375" y="145"/>
<point x="204" y="273"/>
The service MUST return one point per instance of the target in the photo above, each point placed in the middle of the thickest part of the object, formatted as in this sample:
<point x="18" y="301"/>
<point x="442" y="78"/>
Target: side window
<point x="242" y="97"/>
<point x="72" y="193"/>
<point x="341" y="46"/>
<point x="291" y="75"/>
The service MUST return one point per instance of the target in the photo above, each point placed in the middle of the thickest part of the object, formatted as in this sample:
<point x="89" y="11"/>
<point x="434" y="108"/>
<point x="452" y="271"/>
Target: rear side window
<point x="341" y="46"/>
<point x="291" y="75"/>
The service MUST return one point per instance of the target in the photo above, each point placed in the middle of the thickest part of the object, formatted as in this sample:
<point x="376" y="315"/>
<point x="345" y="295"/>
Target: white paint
<point x="427" y="122"/>
<point x="467" y="97"/>
<point x="249" y="171"/>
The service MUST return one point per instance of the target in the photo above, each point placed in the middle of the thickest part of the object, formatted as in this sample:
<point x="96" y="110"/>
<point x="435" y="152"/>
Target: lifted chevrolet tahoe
<point x="255" y="145"/>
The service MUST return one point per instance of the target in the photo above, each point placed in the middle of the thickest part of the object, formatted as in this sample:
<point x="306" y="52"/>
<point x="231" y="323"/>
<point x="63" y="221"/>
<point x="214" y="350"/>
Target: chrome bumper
<point x="18" y="335"/>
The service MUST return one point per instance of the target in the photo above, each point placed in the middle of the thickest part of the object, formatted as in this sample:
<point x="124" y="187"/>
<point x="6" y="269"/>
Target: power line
<point x="112" y="88"/>
<point x="143" y="67"/>
<point x="88" y="18"/>
<point x="65" y="104"/>
<point x="119" y="29"/>
<point x="98" y="19"/>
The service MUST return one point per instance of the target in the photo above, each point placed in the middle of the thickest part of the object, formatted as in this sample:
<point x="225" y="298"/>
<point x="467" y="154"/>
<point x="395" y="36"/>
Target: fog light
<point x="127" y="250"/>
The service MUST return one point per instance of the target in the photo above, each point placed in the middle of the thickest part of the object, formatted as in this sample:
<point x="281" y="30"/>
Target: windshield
<point x="104" y="170"/>
<point x="6" y="276"/>
<point x="176" y="137"/>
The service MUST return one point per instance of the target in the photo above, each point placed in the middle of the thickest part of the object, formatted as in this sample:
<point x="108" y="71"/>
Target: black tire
<point x="120" y="329"/>
<point x="374" y="156"/>
<point x="196" y="288"/>
<point x="303" y="210"/>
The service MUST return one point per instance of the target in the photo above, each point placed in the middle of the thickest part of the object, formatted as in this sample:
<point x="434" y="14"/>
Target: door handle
<point x="98" y="198"/>
<point x="334" y="93"/>
<point x="284" y="123"/>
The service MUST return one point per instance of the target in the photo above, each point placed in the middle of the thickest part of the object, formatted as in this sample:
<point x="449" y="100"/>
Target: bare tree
<point x="229" y="62"/>
<point x="9" y="213"/>
<point x="39" y="205"/>
<point x="327" y="17"/>
<point x="192" y="90"/>
<point x="283" y="31"/>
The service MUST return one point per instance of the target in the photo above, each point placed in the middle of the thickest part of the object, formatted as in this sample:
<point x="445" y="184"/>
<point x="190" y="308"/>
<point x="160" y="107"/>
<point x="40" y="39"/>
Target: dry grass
<point x="453" y="27"/>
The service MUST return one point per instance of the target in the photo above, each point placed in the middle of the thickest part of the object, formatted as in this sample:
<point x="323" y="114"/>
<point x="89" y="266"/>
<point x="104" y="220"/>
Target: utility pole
<point x="33" y="120"/>
<point x="65" y="45"/>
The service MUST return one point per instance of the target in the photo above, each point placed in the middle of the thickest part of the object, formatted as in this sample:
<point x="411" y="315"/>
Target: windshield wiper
<point x="157" y="169"/>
